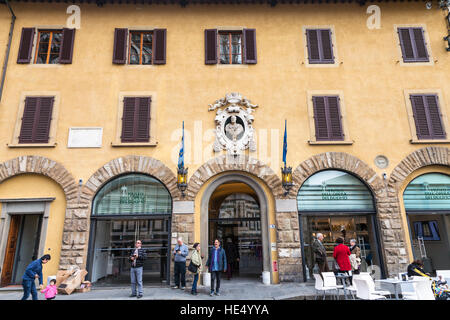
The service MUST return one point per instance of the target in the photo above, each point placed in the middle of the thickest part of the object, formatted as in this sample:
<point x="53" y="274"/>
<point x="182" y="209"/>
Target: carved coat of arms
<point x="234" y="119"/>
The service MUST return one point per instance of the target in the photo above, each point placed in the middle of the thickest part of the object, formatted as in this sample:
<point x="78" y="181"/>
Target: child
<point x="50" y="291"/>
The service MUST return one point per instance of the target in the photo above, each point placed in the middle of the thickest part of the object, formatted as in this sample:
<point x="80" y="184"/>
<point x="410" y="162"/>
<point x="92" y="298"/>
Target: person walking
<point x="196" y="259"/>
<point x="355" y="256"/>
<point x="50" y="291"/>
<point x="180" y="253"/>
<point x="217" y="263"/>
<point x="341" y="254"/>
<point x="137" y="258"/>
<point x="33" y="271"/>
<point x="320" y="253"/>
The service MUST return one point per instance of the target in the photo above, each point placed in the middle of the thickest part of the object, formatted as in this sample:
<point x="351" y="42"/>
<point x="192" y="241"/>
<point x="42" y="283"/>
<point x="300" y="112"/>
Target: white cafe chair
<point x="320" y="287"/>
<point x="422" y="290"/>
<point x="371" y="284"/>
<point x="363" y="290"/>
<point x="331" y="281"/>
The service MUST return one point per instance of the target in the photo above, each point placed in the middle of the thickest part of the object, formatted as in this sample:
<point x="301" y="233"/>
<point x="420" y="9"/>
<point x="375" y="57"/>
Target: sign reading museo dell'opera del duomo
<point x="349" y="99"/>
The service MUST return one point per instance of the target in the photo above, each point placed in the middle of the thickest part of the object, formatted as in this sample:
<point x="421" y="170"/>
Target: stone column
<point x="288" y="240"/>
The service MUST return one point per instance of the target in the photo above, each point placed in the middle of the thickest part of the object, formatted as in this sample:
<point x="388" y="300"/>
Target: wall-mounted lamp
<point x="286" y="179"/>
<point x="182" y="180"/>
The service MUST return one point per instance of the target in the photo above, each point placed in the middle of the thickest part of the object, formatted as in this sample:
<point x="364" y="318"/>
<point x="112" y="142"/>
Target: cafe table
<point x="396" y="283"/>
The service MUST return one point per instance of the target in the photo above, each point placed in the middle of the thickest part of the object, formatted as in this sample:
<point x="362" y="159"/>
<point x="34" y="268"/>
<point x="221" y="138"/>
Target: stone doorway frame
<point x="263" y="205"/>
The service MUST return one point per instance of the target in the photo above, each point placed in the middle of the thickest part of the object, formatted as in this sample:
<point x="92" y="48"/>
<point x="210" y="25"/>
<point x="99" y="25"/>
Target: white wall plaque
<point x="85" y="137"/>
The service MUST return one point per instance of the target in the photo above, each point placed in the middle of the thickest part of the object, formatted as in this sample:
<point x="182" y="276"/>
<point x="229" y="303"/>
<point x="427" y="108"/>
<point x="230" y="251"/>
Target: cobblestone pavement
<point x="230" y="290"/>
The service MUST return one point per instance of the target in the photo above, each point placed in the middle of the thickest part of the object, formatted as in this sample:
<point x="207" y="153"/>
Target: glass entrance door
<point x="114" y="240"/>
<point x="358" y="227"/>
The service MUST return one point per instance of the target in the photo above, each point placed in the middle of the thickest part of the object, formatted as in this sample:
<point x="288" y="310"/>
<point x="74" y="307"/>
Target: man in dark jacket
<point x="137" y="258"/>
<point x="320" y="253"/>
<point x="217" y="263"/>
<point x="33" y="271"/>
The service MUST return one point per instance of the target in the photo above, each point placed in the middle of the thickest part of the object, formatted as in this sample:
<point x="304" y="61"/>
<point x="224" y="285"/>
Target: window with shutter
<point x="120" y="46"/>
<point x="327" y="118"/>
<point x="413" y="45"/>
<point x="136" y="119"/>
<point x="37" y="116"/>
<point x="320" y="46"/>
<point x="427" y="117"/>
<point x="48" y="48"/>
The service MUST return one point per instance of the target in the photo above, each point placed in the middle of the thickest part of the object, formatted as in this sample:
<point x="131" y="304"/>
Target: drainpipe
<point x="8" y="47"/>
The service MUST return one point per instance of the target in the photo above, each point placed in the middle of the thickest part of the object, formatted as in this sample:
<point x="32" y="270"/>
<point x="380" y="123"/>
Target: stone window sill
<point x="345" y="142"/>
<point x="134" y="144"/>
<point x="31" y="145"/>
<point x="415" y="141"/>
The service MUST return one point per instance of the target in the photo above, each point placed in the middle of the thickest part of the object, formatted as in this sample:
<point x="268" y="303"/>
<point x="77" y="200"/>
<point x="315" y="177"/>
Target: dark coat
<point x="411" y="271"/>
<point x="222" y="259"/>
<point x="142" y="255"/>
<point x="320" y="252"/>
<point x="33" y="269"/>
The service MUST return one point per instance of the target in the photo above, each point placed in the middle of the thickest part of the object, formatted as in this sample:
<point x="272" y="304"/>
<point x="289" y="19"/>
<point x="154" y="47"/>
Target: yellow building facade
<point x="64" y="182"/>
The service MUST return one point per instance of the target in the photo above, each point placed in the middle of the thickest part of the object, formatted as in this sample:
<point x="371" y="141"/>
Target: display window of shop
<point x="337" y="204"/>
<point x="129" y="208"/>
<point x="427" y="205"/>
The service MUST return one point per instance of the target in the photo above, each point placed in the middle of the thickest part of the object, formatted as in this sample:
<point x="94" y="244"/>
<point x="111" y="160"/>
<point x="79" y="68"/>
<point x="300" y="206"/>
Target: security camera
<point x="80" y="182"/>
<point x="384" y="176"/>
<point x="428" y="5"/>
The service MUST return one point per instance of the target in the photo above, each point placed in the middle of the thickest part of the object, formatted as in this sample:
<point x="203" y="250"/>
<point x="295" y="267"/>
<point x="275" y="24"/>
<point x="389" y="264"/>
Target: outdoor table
<point x="343" y="277"/>
<point x="396" y="283"/>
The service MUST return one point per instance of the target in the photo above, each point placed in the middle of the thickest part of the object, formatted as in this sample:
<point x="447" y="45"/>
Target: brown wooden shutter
<point x="37" y="116"/>
<point x="320" y="118"/>
<point x="26" y="45"/>
<point x="211" y="46"/>
<point x="143" y="119"/>
<point x="327" y="118"/>
<point x="412" y="42"/>
<point x="66" y="51"/>
<point x="159" y="46"/>
<point x="435" y="115"/>
<point x="427" y="117"/>
<point x="43" y="120"/>
<point x="421" y="46"/>
<point x="326" y="42"/>
<point x="312" y="38"/>
<point x="249" y="40"/>
<point x="120" y="46"/>
<point x="128" y="128"/>
<point x="334" y="115"/>
<point x="420" y="117"/>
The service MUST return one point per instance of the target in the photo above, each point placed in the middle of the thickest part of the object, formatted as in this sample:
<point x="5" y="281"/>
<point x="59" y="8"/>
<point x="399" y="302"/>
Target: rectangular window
<point x="140" y="44"/>
<point x="136" y="119"/>
<point x="48" y="46"/>
<point x="230" y="44"/>
<point x="427" y="116"/>
<point x="413" y="45"/>
<point x="36" y="119"/>
<point x="327" y="118"/>
<point x="320" y="46"/>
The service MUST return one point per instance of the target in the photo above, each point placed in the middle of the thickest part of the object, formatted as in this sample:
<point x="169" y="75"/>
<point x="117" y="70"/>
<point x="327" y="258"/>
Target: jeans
<point x="180" y="270"/>
<point x="215" y="275"/>
<point x="194" y="284"/>
<point x="29" y="286"/>
<point x="136" y="276"/>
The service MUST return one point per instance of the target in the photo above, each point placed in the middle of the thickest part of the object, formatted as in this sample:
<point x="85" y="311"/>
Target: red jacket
<point x="342" y="256"/>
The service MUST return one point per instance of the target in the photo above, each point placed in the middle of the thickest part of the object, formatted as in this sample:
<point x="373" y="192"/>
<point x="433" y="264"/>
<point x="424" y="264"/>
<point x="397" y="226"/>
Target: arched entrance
<point x="427" y="206"/>
<point x="234" y="206"/>
<point x="337" y="204"/>
<point x="127" y="208"/>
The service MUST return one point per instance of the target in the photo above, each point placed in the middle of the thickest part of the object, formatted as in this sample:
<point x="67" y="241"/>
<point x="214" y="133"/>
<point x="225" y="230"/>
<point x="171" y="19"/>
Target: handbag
<point x="192" y="267"/>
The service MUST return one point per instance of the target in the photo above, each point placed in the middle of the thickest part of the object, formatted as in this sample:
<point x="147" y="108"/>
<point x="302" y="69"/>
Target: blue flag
<point x="285" y="143"/>
<point x="181" y="154"/>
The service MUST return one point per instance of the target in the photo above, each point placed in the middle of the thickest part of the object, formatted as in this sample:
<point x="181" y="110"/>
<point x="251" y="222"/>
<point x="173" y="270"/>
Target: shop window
<point x="428" y="230"/>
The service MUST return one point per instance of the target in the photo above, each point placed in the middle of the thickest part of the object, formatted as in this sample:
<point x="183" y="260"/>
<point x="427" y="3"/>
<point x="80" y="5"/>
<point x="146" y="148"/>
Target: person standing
<point x="355" y="256"/>
<point x="320" y="253"/>
<point x="217" y="263"/>
<point x="180" y="253"/>
<point x="137" y="258"/>
<point x="232" y="254"/>
<point x="33" y="271"/>
<point x="341" y="254"/>
<point x="196" y="259"/>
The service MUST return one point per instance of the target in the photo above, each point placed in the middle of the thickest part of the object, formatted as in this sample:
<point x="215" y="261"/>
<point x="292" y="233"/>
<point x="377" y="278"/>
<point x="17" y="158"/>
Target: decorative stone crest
<point x="234" y="130"/>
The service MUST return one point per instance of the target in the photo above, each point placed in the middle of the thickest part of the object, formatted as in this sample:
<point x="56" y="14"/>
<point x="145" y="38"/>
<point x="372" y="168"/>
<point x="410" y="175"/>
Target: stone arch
<point x="392" y="236"/>
<point x="43" y="166"/>
<point x="225" y="163"/>
<point x="129" y="164"/>
<point x="424" y="157"/>
<point x="71" y="249"/>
